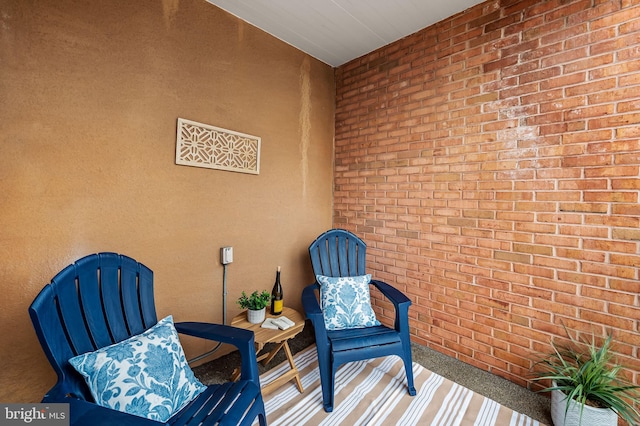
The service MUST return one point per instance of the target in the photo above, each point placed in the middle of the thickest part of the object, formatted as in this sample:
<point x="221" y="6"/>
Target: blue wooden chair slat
<point x="236" y="417"/>
<point x="216" y="406"/>
<point x="107" y="297"/>
<point x="91" y="301"/>
<point x="341" y="264"/>
<point x="130" y="296"/>
<point x="148" y="309"/>
<point x="333" y="248"/>
<point x="111" y="300"/>
<point x="361" y="251"/>
<point x="324" y="262"/>
<point x="202" y="408"/>
<point x="227" y="400"/>
<point x="343" y="340"/>
<point x="339" y="253"/>
<point x="71" y="311"/>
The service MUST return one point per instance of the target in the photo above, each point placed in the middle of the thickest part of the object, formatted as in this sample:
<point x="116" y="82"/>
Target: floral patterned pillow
<point x="346" y="302"/>
<point x="146" y="375"/>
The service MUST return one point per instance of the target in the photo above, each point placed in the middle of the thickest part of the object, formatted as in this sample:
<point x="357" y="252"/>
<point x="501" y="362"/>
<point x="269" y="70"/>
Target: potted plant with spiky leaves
<point x="586" y="384"/>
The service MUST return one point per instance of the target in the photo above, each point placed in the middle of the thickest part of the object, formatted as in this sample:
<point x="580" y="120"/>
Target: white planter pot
<point x="591" y="416"/>
<point x="256" y="317"/>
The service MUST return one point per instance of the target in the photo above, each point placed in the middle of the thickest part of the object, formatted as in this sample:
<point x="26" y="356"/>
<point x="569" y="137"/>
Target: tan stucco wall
<point x="89" y="97"/>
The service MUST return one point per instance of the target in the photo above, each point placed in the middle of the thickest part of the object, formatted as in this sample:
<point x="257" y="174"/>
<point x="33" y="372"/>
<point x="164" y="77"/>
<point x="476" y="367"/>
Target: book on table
<point x="281" y="323"/>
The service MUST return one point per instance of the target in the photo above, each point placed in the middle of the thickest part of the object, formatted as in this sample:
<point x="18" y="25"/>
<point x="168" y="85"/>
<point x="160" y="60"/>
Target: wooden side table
<point x="262" y="336"/>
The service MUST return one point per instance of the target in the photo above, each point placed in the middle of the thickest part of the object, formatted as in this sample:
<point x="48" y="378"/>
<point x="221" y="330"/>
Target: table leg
<point x="266" y="358"/>
<point x="235" y="375"/>
<point x="291" y="374"/>
<point x="287" y="351"/>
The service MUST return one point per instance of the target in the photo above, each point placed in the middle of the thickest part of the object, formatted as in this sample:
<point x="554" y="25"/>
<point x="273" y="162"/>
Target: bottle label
<point x="277" y="306"/>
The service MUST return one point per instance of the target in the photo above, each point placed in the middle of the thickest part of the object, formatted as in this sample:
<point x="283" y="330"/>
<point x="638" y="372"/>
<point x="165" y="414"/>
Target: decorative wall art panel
<point x="201" y="145"/>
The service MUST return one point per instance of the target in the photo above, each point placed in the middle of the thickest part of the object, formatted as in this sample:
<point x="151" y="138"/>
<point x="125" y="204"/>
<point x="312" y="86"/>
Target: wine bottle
<point x="276" y="296"/>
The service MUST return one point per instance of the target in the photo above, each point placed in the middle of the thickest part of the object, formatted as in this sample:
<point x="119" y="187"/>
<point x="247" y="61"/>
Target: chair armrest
<point x="310" y="301"/>
<point x="313" y="311"/>
<point x="401" y="303"/>
<point x="238" y="337"/>
<point x="391" y="293"/>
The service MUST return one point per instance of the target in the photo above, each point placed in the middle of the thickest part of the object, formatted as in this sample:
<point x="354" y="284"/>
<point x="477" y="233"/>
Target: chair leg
<point x="408" y="368"/>
<point x="327" y="379"/>
<point x="262" y="420"/>
<point x="407" y="359"/>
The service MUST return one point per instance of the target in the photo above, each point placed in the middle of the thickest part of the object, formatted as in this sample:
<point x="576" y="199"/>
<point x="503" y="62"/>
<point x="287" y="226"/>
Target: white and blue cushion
<point x="146" y="375"/>
<point x="346" y="302"/>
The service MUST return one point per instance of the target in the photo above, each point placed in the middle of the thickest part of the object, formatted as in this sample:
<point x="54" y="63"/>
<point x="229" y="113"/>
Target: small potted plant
<point x="586" y="387"/>
<point x="255" y="304"/>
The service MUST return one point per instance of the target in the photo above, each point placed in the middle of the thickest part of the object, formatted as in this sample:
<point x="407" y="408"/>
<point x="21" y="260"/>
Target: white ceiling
<point x="337" y="31"/>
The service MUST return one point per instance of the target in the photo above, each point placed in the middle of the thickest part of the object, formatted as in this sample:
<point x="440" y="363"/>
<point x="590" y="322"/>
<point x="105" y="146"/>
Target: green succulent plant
<point x="589" y="374"/>
<point x="255" y="301"/>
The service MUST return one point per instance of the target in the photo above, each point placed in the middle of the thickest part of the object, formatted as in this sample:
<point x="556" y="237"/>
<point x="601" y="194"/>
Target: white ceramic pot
<point x="256" y="317"/>
<point x="591" y="416"/>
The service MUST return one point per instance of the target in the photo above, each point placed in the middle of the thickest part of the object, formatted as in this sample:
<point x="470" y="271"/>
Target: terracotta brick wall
<point x="491" y="163"/>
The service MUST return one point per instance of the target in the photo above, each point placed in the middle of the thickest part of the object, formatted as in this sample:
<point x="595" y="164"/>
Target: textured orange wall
<point x="89" y="97"/>
<point x="491" y="162"/>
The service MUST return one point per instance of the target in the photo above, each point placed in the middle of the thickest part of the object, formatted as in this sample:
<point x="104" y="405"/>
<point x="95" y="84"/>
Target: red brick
<point x="582" y="278"/>
<point x="609" y="270"/>
<point x="557" y="240"/>
<point x="630" y="286"/>
<point x="608" y="320"/>
<point x="613" y="221"/>
<point x="584" y="184"/>
<point x="626" y="234"/>
<point x="584" y="231"/>
<point x="556" y="286"/>
<point x="626" y="209"/>
<point x="614" y="121"/>
<point x="611" y="197"/>
<point x="610" y="246"/>
<point x="555" y="263"/>
<point x="581" y="137"/>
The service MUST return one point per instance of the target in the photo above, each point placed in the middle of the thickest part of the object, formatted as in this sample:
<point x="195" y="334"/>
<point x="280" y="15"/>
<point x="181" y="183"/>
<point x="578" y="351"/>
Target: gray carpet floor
<point x="500" y="390"/>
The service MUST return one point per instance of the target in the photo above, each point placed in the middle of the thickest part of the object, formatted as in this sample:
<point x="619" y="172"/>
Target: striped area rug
<point x="373" y="392"/>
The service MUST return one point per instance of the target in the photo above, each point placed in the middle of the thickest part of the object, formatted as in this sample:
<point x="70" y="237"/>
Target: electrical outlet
<point x="226" y="255"/>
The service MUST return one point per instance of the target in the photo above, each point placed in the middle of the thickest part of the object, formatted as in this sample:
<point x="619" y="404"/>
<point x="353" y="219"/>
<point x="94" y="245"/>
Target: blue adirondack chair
<point x="339" y="253"/>
<point x="106" y="298"/>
